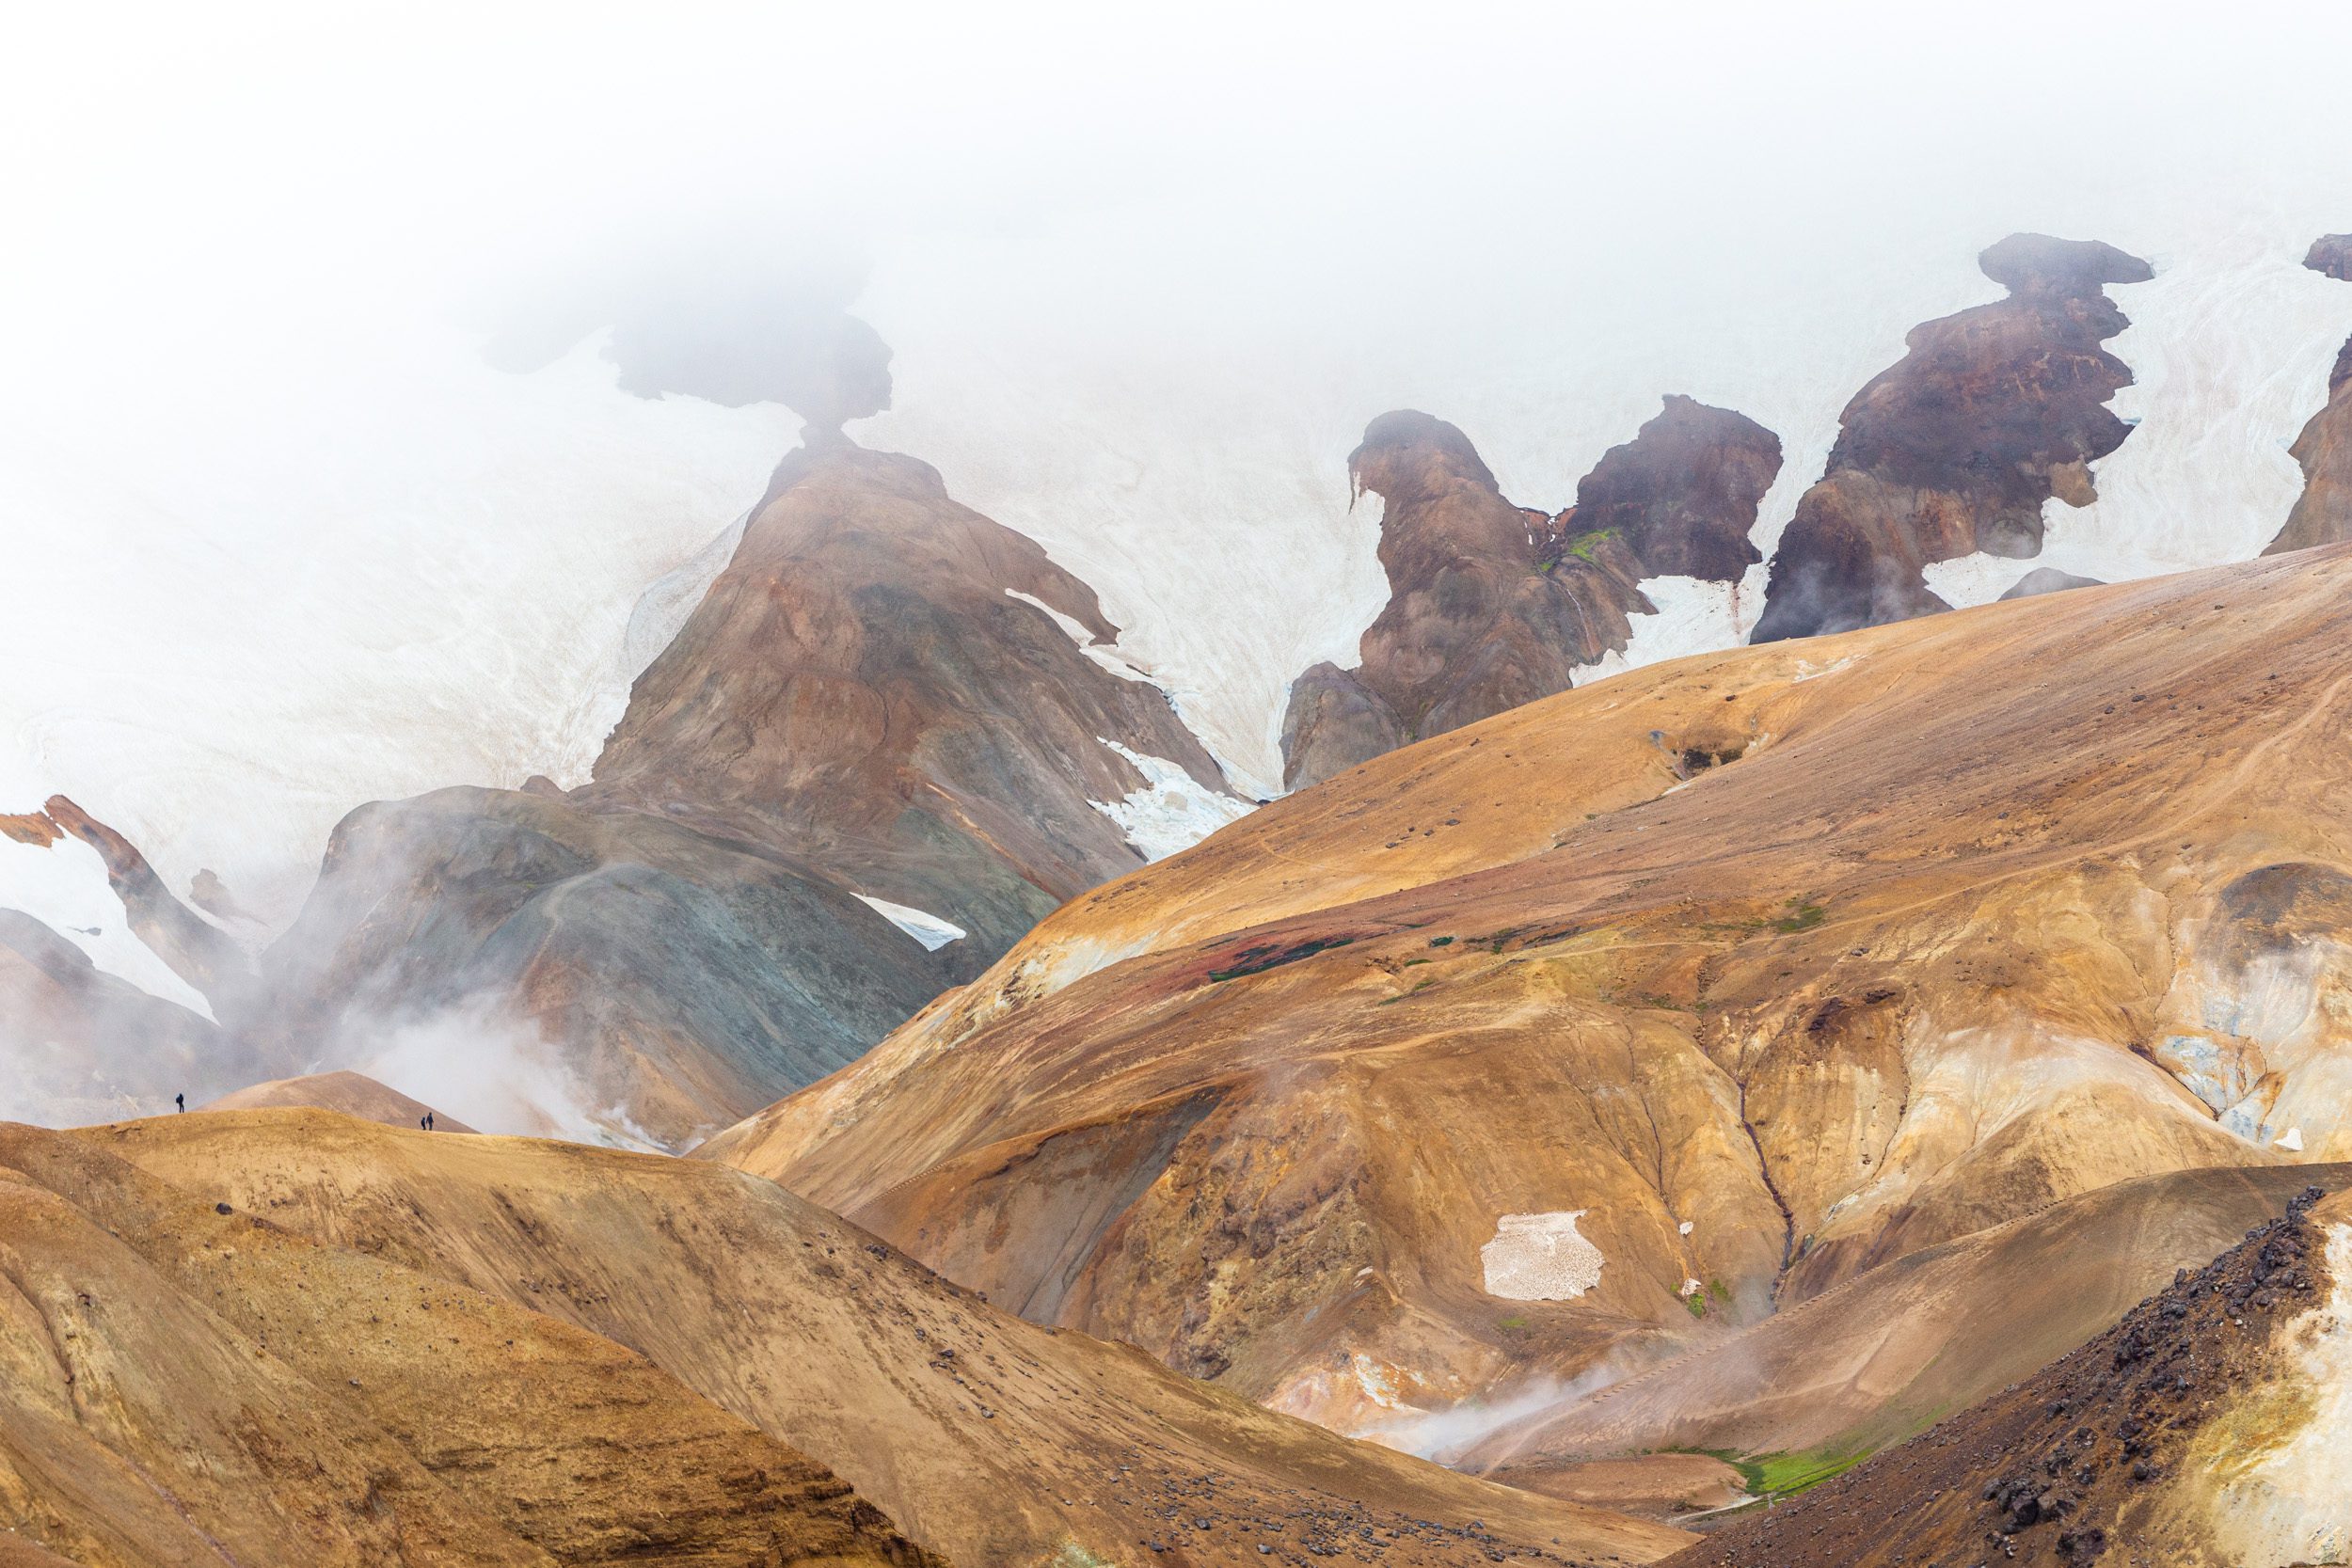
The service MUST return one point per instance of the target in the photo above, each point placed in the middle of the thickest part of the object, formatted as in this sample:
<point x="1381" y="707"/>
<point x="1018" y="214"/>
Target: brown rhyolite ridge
<point x="1493" y="605"/>
<point x="2124" y="1451"/>
<point x="1834" y="952"/>
<point x="182" y="1381"/>
<point x="2322" y="514"/>
<point x="861" y="685"/>
<point x="859" y="705"/>
<point x="983" y="1437"/>
<point x="1957" y="447"/>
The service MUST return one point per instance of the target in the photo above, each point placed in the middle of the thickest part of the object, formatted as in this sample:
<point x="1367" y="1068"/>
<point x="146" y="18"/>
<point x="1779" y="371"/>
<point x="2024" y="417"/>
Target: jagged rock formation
<point x="2322" y="514"/>
<point x="985" y="1437"/>
<point x="869" y="701"/>
<point x="185" y="1382"/>
<point x="1682" y="494"/>
<point x="1493" y="605"/>
<point x="2205" y="1431"/>
<point x="83" y="1045"/>
<point x="198" y="951"/>
<point x="2332" y="255"/>
<point x="1956" y="448"/>
<point x="1760" y="971"/>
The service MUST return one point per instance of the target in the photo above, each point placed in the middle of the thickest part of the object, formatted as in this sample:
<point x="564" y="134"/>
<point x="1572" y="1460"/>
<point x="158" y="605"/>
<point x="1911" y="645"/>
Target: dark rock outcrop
<point x="2322" y="514"/>
<point x="198" y="951"/>
<point x="1493" y="605"/>
<point x="1956" y="448"/>
<point x="2332" y="253"/>
<point x="1683" y="493"/>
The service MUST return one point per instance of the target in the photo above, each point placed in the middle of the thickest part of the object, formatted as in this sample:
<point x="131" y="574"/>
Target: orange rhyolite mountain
<point x="1575" y="1038"/>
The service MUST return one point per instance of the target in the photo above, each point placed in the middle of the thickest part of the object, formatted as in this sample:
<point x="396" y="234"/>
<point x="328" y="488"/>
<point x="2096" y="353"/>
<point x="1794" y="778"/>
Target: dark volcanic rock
<point x="1956" y="448"/>
<point x="1493" y="605"/>
<point x="2322" y="514"/>
<point x="1683" y="493"/>
<point x="2332" y="253"/>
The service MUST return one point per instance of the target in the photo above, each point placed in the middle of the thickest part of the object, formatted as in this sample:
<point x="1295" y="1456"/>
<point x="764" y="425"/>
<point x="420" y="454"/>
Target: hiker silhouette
<point x="181" y="1101"/>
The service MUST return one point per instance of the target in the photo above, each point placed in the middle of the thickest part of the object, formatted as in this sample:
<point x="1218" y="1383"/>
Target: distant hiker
<point x="428" y="1121"/>
<point x="181" y="1101"/>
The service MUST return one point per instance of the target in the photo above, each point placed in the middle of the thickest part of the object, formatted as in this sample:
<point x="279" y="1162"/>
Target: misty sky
<point x="281" y="537"/>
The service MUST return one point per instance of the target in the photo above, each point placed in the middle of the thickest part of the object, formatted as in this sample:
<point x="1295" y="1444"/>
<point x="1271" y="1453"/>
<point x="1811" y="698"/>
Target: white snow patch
<point x="1540" y="1258"/>
<point x="663" y="609"/>
<point x="2288" y="1506"/>
<point x="1686" y="1228"/>
<point x="1104" y="654"/>
<point x="924" y="926"/>
<point x="2291" y="1140"/>
<point x="1693" y="616"/>
<point x="1173" y="810"/>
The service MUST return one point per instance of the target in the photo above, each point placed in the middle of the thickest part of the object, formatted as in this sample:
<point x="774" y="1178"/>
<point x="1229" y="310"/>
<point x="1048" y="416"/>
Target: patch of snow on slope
<point x="64" y="886"/>
<point x="1107" y="655"/>
<point x="924" y="926"/>
<point x="663" y="609"/>
<point x="1540" y="1258"/>
<point x="1693" y="616"/>
<point x="1173" y="810"/>
<point x="2230" y="348"/>
<point x="2285" y="1503"/>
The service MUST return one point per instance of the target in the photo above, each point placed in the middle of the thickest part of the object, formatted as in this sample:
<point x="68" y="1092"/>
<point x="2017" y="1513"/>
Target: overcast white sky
<point x="278" y="541"/>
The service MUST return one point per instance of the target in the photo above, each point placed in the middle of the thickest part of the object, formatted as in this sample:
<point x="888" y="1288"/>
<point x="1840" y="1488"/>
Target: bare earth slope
<point x="184" y="1383"/>
<point x="988" y="1438"/>
<point x="2205" y="1431"/>
<point x="1885" y="1354"/>
<point x="1560" y="1043"/>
